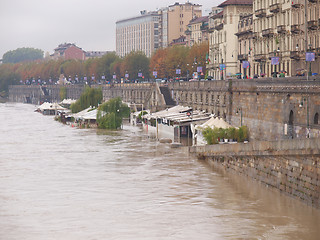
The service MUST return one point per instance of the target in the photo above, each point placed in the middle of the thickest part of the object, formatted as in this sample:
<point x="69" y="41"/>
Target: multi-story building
<point x="163" y="27"/>
<point x="68" y="51"/>
<point x="197" y="31"/>
<point x="285" y="30"/>
<point x="96" y="54"/>
<point x="223" y="43"/>
<point x="179" y="16"/>
<point x="245" y="44"/>
<point x="138" y="34"/>
<point x="153" y="30"/>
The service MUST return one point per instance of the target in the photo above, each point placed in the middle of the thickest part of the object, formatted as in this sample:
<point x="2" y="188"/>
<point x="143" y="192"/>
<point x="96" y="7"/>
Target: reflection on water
<point x="58" y="182"/>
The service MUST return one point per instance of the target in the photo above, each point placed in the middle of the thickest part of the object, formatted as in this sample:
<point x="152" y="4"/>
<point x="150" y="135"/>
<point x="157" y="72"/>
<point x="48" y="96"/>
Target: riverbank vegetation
<point x="90" y="97"/>
<point x="216" y="135"/>
<point x="111" y="113"/>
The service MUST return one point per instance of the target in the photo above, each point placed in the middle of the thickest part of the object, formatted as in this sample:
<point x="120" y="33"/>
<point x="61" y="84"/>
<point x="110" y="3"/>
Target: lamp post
<point x="187" y="72"/>
<point x="275" y="62"/>
<point x="239" y="110"/>
<point x="310" y="72"/>
<point x="221" y="67"/>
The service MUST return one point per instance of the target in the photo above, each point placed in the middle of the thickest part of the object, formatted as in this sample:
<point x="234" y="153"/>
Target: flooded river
<point x="59" y="182"/>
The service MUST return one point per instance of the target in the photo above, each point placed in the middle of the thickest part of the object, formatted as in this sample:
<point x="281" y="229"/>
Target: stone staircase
<point x="167" y="96"/>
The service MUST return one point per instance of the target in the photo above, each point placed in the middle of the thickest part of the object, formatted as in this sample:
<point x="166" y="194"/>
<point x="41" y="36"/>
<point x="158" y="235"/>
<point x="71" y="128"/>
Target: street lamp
<point x="187" y="71"/>
<point x="310" y="72"/>
<point x="239" y="110"/>
<point x="275" y="62"/>
<point x="221" y="67"/>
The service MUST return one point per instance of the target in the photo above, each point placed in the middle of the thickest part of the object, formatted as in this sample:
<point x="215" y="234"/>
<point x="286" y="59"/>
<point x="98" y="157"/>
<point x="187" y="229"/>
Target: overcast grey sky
<point x="44" y="24"/>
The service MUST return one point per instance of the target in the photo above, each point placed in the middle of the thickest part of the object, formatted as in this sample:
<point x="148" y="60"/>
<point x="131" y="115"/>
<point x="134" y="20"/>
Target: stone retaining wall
<point x="291" y="166"/>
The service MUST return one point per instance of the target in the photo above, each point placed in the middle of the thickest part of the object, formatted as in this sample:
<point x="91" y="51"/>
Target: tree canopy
<point x="22" y="54"/>
<point x="111" y="113"/>
<point x="89" y="97"/>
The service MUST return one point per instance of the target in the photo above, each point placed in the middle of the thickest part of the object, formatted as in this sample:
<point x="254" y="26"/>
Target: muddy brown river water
<point x="59" y="182"/>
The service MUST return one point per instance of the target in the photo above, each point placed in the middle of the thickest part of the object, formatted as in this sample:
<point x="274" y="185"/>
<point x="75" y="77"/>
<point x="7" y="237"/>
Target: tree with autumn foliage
<point x="197" y="57"/>
<point x="166" y="61"/>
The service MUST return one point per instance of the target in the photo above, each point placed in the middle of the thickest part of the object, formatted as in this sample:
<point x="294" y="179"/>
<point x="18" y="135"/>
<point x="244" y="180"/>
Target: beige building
<point x="223" y="42"/>
<point x="281" y="31"/>
<point x="245" y="46"/>
<point x="138" y="34"/>
<point x="179" y="16"/>
<point x="197" y="31"/>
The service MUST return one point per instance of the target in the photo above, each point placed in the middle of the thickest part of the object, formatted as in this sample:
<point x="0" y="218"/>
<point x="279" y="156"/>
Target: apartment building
<point x="223" y="42"/>
<point x="245" y="44"/>
<point x="197" y="31"/>
<point x="179" y="16"/>
<point x="68" y="51"/>
<point x="283" y="29"/>
<point x="139" y="33"/>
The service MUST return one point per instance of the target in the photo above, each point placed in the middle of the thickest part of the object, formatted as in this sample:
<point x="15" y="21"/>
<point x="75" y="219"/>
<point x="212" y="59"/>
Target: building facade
<point x="68" y="51"/>
<point x="138" y="34"/>
<point x="223" y="42"/>
<point x="245" y="44"/>
<point x="285" y="30"/>
<point x="96" y="54"/>
<point x="179" y="16"/>
<point x="153" y="30"/>
<point x="197" y="31"/>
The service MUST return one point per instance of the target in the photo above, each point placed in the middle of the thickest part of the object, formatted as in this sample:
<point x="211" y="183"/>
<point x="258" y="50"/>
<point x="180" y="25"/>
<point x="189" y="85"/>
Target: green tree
<point x="104" y="65"/>
<point x="111" y="113"/>
<point x="90" y="97"/>
<point x="136" y="62"/>
<point x="7" y="77"/>
<point x="63" y="93"/>
<point x="22" y="54"/>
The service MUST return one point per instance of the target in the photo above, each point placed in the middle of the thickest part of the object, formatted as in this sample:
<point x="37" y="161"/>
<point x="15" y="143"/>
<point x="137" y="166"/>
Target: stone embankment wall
<point x="272" y="109"/>
<point x="292" y="166"/>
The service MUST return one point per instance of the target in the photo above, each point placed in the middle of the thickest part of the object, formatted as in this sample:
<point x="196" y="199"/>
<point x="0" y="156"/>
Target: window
<point x="316" y="119"/>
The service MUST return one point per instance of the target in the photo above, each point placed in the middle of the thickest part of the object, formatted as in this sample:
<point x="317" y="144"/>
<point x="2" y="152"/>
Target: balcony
<point x="274" y="8"/>
<point x="219" y="26"/>
<point x="261" y="13"/>
<point x="312" y="25"/>
<point x="296" y="3"/>
<point x="267" y="32"/>
<point x="274" y="54"/>
<point x="254" y="35"/>
<point x="260" y="57"/>
<point x="243" y="32"/>
<point x="295" y="55"/>
<point x="243" y="57"/>
<point x="296" y="29"/>
<point x="281" y="29"/>
<point x="211" y="29"/>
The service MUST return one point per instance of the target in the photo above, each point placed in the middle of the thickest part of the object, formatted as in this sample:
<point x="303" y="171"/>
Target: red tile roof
<point x="236" y="2"/>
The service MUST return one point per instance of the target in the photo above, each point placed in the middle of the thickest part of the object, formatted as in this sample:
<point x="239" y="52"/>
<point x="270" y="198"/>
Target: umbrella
<point x="238" y="74"/>
<point x="283" y="71"/>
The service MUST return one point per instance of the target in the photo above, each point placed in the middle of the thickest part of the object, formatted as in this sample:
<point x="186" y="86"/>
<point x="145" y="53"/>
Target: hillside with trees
<point x="22" y="55"/>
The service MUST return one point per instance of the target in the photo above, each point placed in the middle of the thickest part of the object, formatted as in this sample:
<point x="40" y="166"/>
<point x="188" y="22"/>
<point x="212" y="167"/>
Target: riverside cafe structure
<point x="174" y="123"/>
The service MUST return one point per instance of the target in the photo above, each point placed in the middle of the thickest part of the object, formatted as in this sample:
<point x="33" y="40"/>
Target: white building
<point x="138" y="34"/>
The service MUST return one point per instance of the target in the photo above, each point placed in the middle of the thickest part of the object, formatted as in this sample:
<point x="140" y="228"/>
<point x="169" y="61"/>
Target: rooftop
<point x="236" y="2"/>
